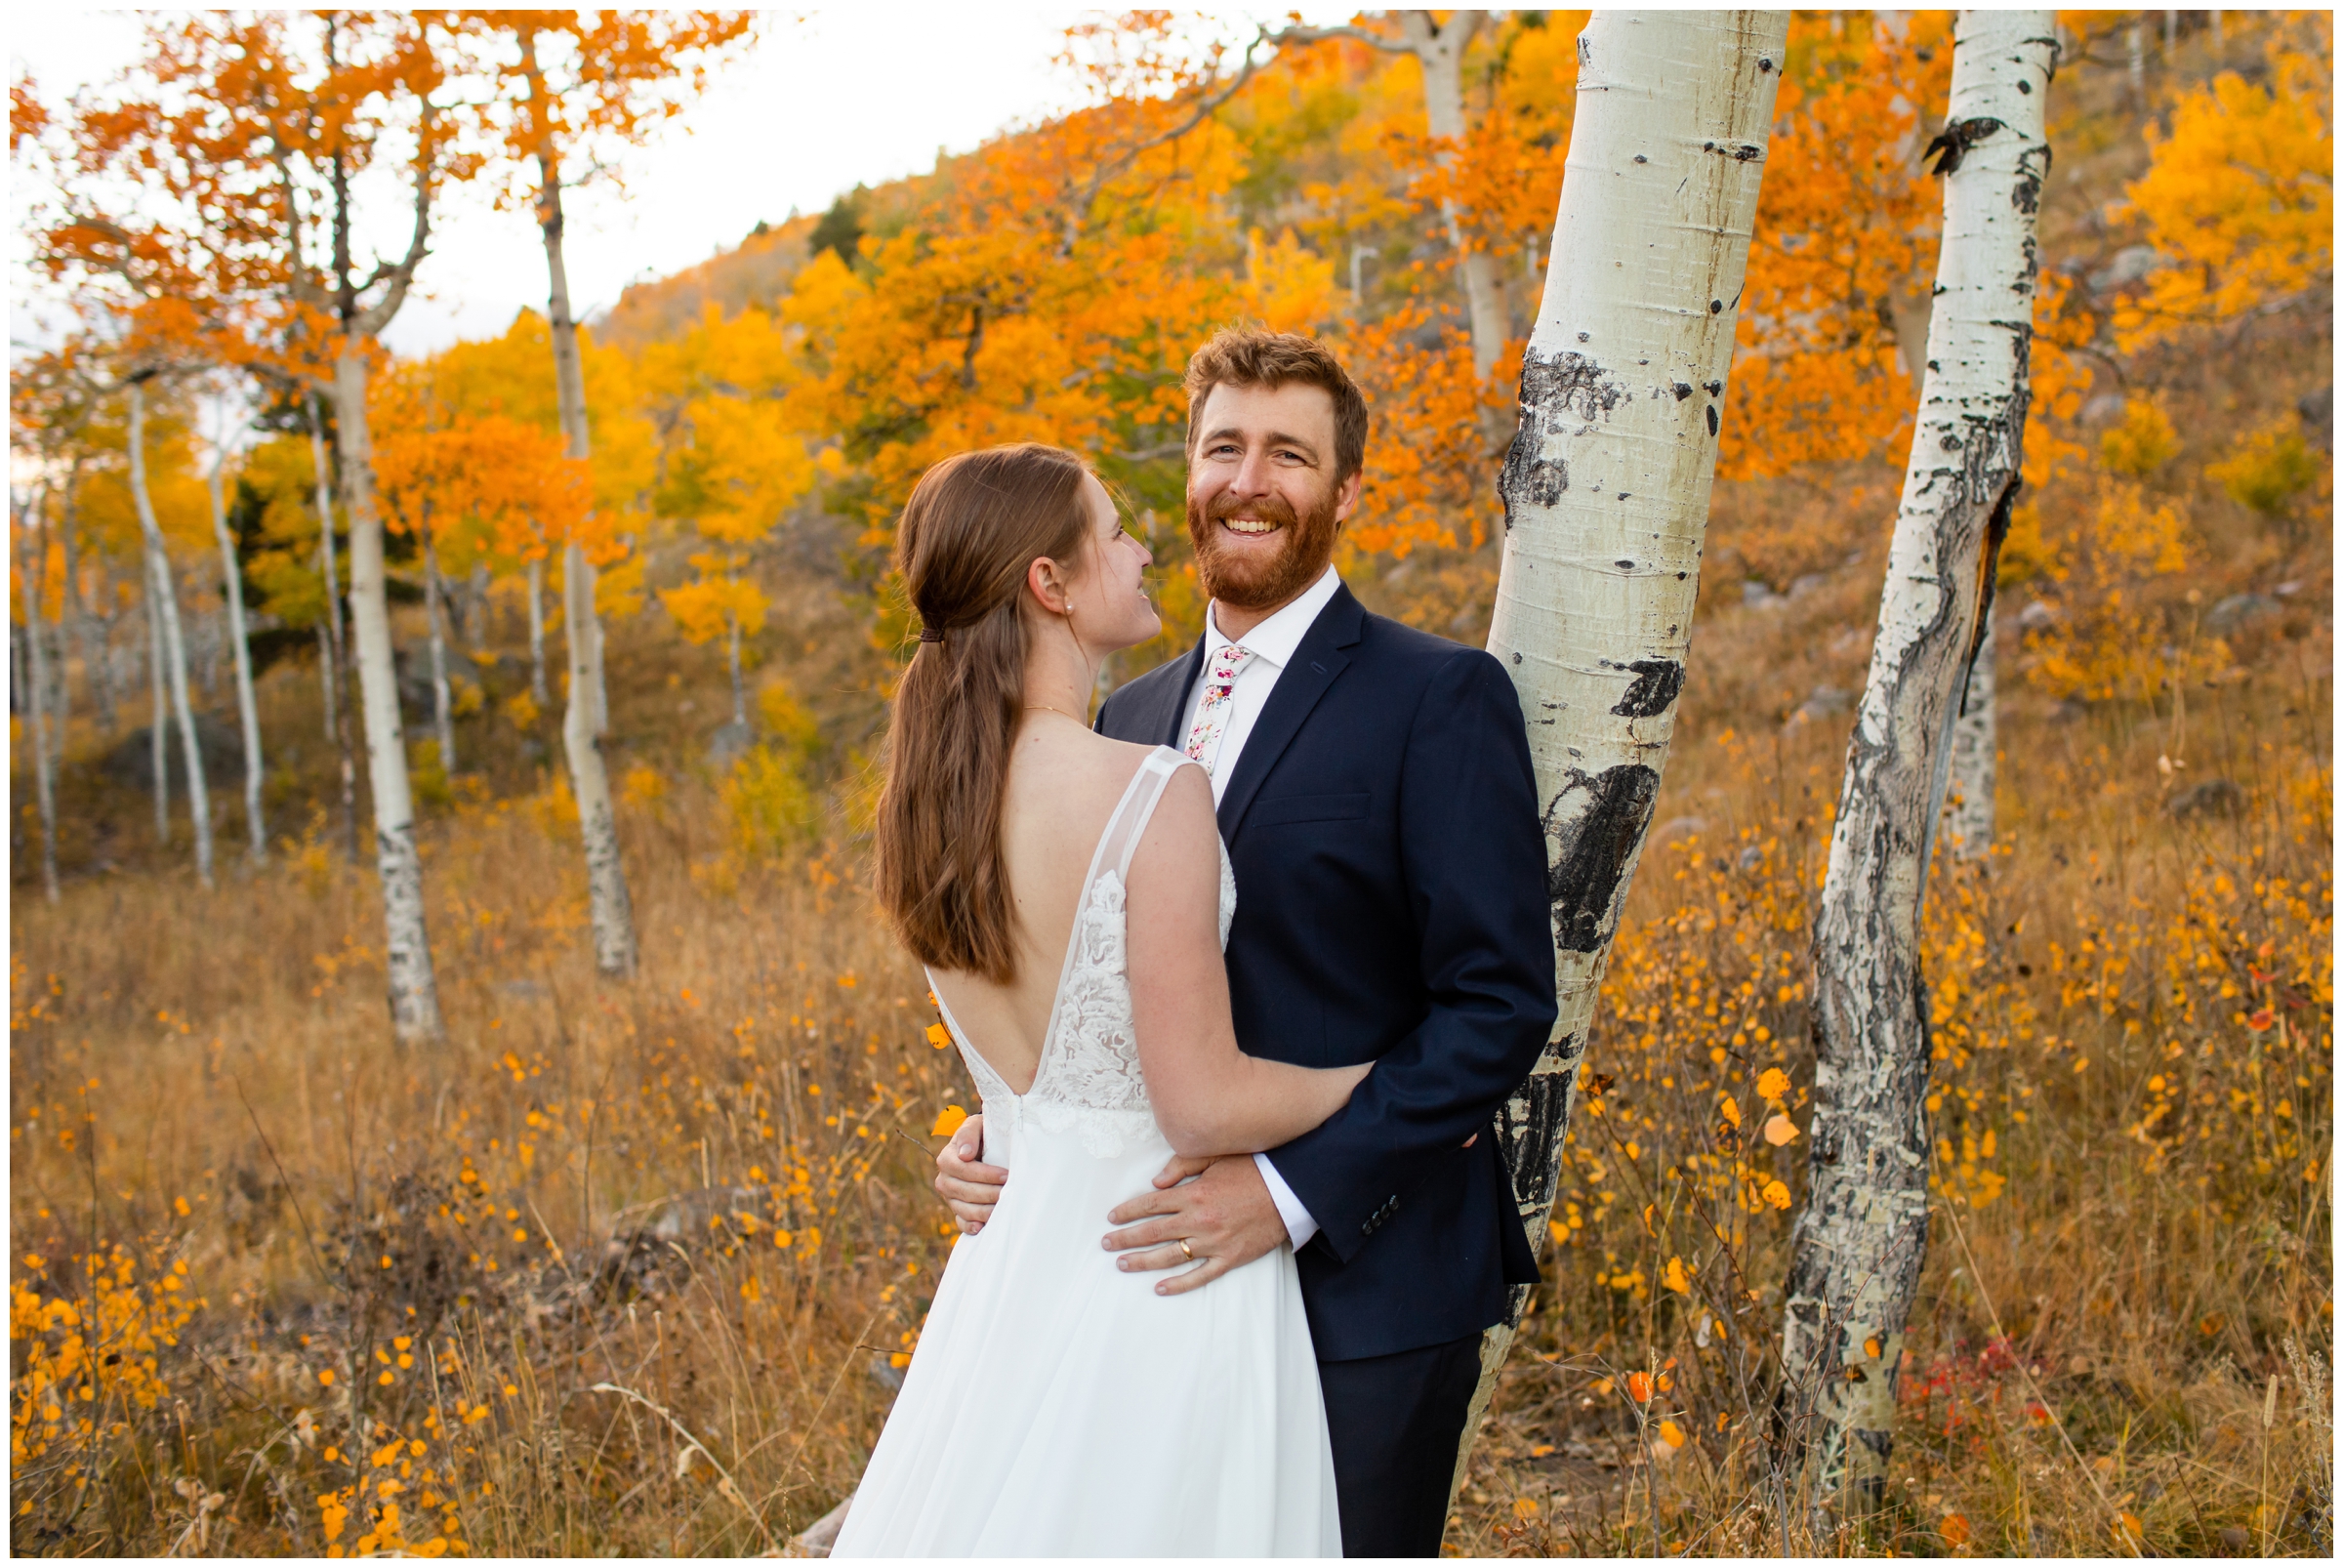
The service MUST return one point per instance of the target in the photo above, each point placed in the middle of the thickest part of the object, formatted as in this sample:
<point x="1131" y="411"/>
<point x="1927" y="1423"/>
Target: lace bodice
<point x="1089" y="1080"/>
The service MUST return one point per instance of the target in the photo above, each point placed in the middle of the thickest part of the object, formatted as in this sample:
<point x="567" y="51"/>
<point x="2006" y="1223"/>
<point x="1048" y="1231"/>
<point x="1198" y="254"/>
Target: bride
<point x="1069" y="896"/>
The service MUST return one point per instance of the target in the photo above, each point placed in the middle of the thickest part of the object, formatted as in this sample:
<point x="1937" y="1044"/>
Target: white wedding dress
<point x="1057" y="1406"/>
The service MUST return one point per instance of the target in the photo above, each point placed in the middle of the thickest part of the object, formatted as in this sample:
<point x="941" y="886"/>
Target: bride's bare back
<point x="1063" y="783"/>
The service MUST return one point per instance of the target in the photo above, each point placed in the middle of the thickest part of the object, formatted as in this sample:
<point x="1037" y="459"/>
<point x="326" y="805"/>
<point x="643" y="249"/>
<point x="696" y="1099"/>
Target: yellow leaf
<point x="1525" y="1508"/>
<point x="1559" y="1231"/>
<point x="1773" y="1083"/>
<point x="1871" y="1347"/>
<point x="1730" y="1109"/>
<point x="1639" y="1387"/>
<point x="948" y="1123"/>
<point x="1540" y="1450"/>
<point x="1777" y="1195"/>
<point x="1675" y="1277"/>
<point x="1671" y="1434"/>
<point x="938" y="1036"/>
<point x="1955" y="1529"/>
<point x="1779" y="1129"/>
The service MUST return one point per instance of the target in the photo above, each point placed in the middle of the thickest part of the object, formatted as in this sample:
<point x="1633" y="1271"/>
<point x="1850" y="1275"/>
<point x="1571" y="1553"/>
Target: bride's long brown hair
<point x="972" y="526"/>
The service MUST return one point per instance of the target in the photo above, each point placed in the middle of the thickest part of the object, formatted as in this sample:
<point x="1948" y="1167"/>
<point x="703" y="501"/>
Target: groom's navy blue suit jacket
<point x="1391" y="908"/>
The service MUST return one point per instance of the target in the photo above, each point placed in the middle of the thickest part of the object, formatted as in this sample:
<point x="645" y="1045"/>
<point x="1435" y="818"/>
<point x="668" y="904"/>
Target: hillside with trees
<point x="463" y="1099"/>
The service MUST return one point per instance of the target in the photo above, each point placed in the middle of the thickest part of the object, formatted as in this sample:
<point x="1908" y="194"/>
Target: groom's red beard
<point x="1252" y="580"/>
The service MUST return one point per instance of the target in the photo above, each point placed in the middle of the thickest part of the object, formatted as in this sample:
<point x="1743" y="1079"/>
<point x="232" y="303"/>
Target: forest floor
<point x="632" y="1265"/>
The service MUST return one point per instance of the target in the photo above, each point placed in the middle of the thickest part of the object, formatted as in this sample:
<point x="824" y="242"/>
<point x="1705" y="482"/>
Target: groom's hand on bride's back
<point x="968" y="1185"/>
<point x="1225" y="1215"/>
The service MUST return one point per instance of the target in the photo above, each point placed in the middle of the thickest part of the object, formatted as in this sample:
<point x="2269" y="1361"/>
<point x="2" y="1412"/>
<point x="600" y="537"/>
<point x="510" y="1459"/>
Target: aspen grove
<point x="465" y="1100"/>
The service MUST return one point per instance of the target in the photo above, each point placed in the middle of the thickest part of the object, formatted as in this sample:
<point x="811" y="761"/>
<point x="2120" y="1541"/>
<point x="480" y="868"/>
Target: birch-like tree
<point x="172" y="644"/>
<point x="248" y="711"/>
<point x="580" y="79"/>
<point x="332" y="665"/>
<point x="260" y="144"/>
<point x="1606" y="489"/>
<point x="1438" y="48"/>
<point x="1969" y="802"/>
<point x="1861" y="1236"/>
<point x="29" y="549"/>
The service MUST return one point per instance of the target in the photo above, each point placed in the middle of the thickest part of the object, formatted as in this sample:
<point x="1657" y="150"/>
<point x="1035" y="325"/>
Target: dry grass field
<point x="630" y="1267"/>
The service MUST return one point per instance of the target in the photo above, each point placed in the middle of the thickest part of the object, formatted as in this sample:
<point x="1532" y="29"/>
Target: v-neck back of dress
<point x="1087" y="1076"/>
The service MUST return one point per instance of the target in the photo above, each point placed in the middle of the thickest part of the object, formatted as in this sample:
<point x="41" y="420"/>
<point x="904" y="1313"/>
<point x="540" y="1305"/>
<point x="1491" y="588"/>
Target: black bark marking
<point x="1715" y="388"/>
<point x="1952" y="143"/>
<point x="1712" y="426"/>
<point x="1653" y="688"/>
<point x="1765" y="63"/>
<point x="1530" y="1124"/>
<point x="1592" y="852"/>
<point x="1526" y="478"/>
<point x="1715" y="305"/>
<point x="1682" y="391"/>
<point x="1567" y="382"/>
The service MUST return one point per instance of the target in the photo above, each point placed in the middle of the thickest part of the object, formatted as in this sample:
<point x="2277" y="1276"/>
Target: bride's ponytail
<point x="974" y="526"/>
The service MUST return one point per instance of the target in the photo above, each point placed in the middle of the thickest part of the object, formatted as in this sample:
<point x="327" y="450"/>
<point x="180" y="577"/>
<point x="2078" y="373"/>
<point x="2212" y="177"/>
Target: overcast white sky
<point x="829" y="99"/>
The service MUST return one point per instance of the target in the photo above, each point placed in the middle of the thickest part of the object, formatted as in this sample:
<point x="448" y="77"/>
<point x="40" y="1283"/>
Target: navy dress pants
<point x="1395" y="1422"/>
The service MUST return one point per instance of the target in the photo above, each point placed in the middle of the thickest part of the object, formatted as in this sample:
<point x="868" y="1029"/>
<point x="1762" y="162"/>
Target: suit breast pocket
<point x="1287" y="811"/>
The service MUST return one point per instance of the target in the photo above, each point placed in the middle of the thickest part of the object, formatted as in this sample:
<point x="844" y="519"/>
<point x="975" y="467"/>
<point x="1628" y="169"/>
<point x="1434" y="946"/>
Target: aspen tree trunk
<point x="435" y="611"/>
<point x="1606" y="490"/>
<point x="44" y="786"/>
<point x="584" y="721"/>
<point x="69" y="635"/>
<point x="740" y="699"/>
<point x="1440" y="51"/>
<point x="537" y="692"/>
<point x="1969" y="808"/>
<point x="476" y="614"/>
<point x="1860" y="1240"/>
<point x="173" y="648"/>
<point x="248" y="711"/>
<point x="336" y="667"/>
<point x="407" y="948"/>
<point x="97" y="632"/>
<point x="158" y="731"/>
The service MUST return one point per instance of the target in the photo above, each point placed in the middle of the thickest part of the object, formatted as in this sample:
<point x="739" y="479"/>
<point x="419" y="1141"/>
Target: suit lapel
<point x="1171" y="702"/>
<point x="1315" y="665"/>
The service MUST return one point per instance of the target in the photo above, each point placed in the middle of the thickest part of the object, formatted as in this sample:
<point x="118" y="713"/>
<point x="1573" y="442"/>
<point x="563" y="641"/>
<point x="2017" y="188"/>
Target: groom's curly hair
<point x="1248" y="356"/>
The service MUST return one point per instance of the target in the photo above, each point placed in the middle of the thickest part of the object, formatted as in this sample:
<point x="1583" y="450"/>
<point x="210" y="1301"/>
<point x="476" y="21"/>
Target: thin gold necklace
<point x="1045" y="708"/>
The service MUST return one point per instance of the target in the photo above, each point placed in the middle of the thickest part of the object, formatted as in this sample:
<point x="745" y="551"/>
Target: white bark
<point x="248" y="711"/>
<point x="586" y="720"/>
<point x="1440" y="51"/>
<point x="37" y="678"/>
<point x="69" y="635"/>
<point x="407" y="949"/>
<point x="740" y="697"/>
<point x="435" y="611"/>
<point x="175" y="648"/>
<point x="158" y="728"/>
<point x="1607" y="485"/>
<point x="537" y="692"/>
<point x="97" y="622"/>
<point x="1969" y="802"/>
<point x="333" y="668"/>
<point x="1861" y="1238"/>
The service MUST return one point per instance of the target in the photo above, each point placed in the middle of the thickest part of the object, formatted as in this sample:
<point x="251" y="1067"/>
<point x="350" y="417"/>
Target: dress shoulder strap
<point x="1129" y="824"/>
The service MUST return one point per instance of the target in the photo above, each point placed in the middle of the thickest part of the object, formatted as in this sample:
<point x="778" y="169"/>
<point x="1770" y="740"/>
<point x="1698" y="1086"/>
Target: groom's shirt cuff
<point x="1298" y="1223"/>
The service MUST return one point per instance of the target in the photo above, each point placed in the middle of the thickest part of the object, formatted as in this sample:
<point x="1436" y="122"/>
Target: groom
<point x="1375" y="791"/>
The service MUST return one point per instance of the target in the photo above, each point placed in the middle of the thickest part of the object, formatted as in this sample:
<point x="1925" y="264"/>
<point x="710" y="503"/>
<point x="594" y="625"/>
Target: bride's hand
<point x="968" y="1186"/>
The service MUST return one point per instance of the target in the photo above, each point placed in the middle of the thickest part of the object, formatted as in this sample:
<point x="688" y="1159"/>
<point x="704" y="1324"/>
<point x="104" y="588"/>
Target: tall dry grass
<point x="630" y="1267"/>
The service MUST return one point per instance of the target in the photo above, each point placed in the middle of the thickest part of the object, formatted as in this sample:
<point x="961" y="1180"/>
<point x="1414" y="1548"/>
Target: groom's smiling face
<point x="1264" y="506"/>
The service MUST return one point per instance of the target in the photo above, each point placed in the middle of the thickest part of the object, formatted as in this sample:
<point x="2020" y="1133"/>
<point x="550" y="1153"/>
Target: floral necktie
<point x="1219" y="693"/>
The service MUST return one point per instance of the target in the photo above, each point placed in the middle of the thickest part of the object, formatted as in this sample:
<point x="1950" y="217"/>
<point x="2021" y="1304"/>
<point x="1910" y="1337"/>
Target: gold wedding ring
<point x="1185" y="1250"/>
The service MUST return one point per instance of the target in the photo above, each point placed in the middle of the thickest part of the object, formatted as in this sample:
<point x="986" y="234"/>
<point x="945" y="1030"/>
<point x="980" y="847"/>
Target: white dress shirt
<point x="1272" y="645"/>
